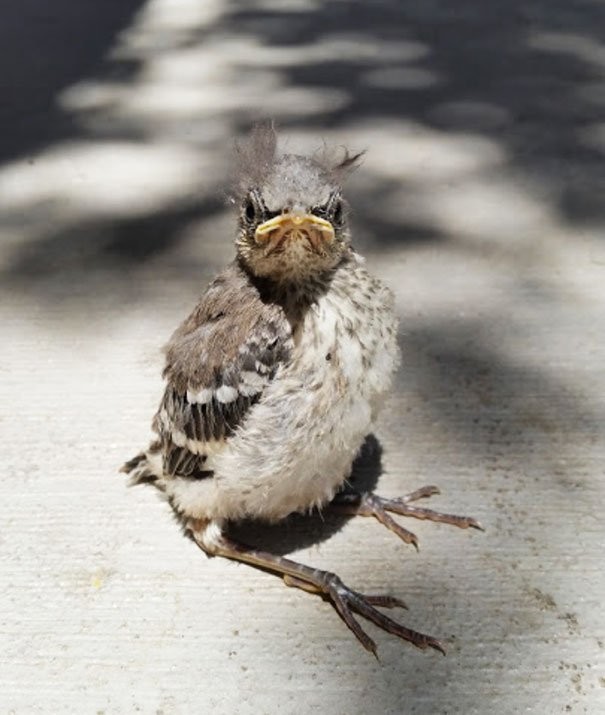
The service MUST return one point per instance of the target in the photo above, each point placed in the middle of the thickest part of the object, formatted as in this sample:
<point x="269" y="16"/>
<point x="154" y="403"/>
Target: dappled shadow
<point x="44" y="48"/>
<point x="480" y="125"/>
<point x="483" y="124"/>
<point x="528" y="75"/>
<point x="526" y="78"/>
<point x="512" y="415"/>
<point x="99" y="245"/>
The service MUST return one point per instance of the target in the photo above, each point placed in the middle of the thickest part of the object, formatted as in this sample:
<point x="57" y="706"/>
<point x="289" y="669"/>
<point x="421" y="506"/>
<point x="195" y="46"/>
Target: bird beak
<point x="316" y="230"/>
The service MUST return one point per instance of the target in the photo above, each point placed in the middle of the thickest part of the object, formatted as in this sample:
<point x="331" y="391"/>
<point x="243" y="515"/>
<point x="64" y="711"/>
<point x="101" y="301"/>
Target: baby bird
<point x="273" y="381"/>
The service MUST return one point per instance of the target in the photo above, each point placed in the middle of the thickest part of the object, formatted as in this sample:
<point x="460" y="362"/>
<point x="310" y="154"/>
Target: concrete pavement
<point x="480" y="201"/>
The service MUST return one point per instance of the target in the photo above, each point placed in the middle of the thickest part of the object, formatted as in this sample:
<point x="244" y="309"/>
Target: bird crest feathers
<point x="257" y="154"/>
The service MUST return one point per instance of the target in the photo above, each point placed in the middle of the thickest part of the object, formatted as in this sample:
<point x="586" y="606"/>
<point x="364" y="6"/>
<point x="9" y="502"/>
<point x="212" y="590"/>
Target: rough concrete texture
<point x="480" y="201"/>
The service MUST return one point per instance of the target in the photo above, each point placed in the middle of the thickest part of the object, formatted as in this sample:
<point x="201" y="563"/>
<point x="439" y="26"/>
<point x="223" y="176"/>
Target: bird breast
<point x="297" y="444"/>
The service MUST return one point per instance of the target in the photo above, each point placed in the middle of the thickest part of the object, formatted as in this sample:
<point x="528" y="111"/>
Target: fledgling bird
<point x="273" y="381"/>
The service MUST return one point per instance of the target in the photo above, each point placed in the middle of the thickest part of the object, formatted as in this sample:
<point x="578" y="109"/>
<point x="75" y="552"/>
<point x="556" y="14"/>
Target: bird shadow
<point x="300" y="531"/>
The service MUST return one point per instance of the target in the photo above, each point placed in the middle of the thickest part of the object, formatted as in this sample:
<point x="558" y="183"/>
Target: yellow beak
<point x="294" y="224"/>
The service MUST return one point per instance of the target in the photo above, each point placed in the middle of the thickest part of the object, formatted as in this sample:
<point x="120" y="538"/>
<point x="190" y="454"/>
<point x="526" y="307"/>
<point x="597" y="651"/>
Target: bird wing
<point x="218" y="362"/>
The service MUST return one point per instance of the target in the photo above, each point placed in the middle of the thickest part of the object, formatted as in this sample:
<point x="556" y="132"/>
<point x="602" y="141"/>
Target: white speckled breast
<point x="297" y="444"/>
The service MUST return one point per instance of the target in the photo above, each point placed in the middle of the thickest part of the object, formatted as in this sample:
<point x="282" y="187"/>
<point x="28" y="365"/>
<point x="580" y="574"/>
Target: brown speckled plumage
<point x="274" y="379"/>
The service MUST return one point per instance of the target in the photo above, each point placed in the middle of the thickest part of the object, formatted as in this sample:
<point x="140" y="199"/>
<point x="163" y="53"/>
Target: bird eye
<point x="249" y="210"/>
<point x="337" y="211"/>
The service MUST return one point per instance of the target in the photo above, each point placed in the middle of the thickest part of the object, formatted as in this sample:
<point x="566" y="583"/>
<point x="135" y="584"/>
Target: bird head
<point x="292" y="219"/>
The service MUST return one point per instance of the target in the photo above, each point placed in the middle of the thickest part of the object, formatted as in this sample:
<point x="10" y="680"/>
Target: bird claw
<point x="370" y="504"/>
<point x="347" y="601"/>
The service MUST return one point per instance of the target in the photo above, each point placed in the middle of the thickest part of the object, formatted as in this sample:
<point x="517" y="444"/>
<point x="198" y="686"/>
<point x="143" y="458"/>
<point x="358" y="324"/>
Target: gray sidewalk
<point x="480" y="201"/>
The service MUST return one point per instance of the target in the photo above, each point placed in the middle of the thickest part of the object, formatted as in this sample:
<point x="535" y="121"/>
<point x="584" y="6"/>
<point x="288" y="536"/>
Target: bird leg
<point x="368" y="504"/>
<point x="210" y="538"/>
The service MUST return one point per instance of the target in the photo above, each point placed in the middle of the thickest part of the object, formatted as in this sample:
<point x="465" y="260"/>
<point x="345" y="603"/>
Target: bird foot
<point x="370" y="504"/>
<point x="347" y="601"/>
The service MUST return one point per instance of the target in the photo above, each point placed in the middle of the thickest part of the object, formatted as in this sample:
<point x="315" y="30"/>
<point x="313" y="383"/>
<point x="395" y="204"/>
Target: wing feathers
<point x="218" y="362"/>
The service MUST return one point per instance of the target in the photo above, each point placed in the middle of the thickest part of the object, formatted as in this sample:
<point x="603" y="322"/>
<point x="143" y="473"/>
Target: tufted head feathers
<point x="292" y="220"/>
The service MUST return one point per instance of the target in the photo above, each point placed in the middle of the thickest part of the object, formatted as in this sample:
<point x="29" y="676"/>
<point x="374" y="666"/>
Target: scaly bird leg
<point x="210" y="538"/>
<point x="350" y="502"/>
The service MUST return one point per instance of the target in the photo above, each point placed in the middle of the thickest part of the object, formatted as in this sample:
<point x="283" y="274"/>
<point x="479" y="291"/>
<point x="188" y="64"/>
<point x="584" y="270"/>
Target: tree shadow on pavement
<point x="483" y="124"/>
<point x="525" y="76"/>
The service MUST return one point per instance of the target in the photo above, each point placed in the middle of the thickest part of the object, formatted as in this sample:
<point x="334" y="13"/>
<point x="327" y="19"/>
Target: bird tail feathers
<point x="145" y="467"/>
